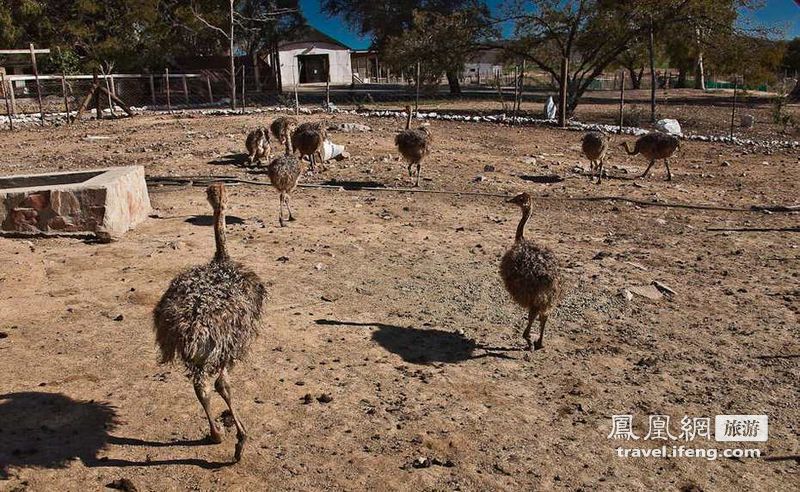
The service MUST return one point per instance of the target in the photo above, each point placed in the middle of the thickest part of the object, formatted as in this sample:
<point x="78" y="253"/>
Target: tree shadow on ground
<point x="423" y="346"/>
<point x="50" y="430"/>
<point x="208" y="220"/>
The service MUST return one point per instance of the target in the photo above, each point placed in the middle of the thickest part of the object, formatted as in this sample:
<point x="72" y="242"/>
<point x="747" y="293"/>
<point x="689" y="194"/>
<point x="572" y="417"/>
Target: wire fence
<point x="19" y="95"/>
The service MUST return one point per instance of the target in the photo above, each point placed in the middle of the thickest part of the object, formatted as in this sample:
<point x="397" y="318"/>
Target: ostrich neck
<point x="219" y="236"/>
<point x="526" y="213"/>
<point x="288" y="146"/>
<point x="408" y="120"/>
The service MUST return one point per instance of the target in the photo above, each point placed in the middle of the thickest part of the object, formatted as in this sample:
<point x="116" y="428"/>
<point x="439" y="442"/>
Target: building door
<point x="313" y="68"/>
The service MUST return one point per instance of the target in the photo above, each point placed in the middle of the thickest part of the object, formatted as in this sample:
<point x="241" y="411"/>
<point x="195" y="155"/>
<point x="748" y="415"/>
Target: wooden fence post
<point x="152" y="90"/>
<point x="185" y="89"/>
<point x="38" y="86"/>
<point x="169" y="102"/>
<point x="733" y="110"/>
<point x="210" y="94"/>
<point x="562" y="110"/>
<point x="416" y="103"/>
<point x="244" y="74"/>
<point x="96" y="96"/>
<point x="6" y="97"/>
<point x="621" y="100"/>
<point x="64" y="92"/>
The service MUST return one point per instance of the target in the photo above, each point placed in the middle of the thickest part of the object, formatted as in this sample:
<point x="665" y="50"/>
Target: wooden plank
<point x="40" y="51"/>
<point x="86" y="100"/>
<point x="64" y="92"/>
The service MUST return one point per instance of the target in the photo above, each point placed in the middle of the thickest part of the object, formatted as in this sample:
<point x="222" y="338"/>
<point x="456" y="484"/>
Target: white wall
<point x="341" y="71"/>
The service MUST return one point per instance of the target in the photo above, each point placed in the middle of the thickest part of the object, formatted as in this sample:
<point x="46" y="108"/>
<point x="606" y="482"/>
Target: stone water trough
<point x="106" y="201"/>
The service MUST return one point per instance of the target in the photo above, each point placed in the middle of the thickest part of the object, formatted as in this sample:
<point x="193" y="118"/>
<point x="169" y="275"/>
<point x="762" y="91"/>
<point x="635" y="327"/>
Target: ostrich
<point x="282" y="128"/>
<point x="284" y="172"/>
<point x="655" y="145"/>
<point x="531" y="275"/>
<point x="594" y="146"/>
<point x="257" y="145"/>
<point x="208" y="317"/>
<point x="413" y="145"/>
<point x="307" y="139"/>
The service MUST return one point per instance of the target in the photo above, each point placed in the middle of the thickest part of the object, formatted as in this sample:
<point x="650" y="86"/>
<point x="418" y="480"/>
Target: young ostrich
<point x="307" y="140"/>
<point x="594" y="146"/>
<point x="208" y="317"/>
<point x="284" y="172"/>
<point x="257" y="144"/>
<point x="655" y="145"/>
<point x="531" y="275"/>
<point x="282" y="128"/>
<point x="413" y="145"/>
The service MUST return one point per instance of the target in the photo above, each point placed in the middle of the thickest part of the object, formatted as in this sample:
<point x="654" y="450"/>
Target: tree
<point x="633" y="60"/>
<point x="392" y="18"/>
<point x="440" y="43"/>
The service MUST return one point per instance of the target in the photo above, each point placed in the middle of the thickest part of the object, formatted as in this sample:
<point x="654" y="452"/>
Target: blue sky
<point x="782" y="14"/>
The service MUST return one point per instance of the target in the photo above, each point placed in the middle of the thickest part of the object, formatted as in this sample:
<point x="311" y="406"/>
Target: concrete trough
<point x="106" y="201"/>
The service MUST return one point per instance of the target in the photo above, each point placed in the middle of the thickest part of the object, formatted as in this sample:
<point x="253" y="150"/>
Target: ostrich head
<point x="217" y="196"/>
<point x="407" y="108"/>
<point x="523" y="200"/>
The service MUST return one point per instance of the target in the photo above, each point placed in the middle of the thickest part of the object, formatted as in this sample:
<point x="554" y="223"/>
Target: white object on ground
<point x="330" y="150"/>
<point x="550" y="108"/>
<point x="669" y="126"/>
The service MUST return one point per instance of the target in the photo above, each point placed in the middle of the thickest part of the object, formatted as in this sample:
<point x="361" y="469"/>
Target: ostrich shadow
<point x="50" y="430"/>
<point x="237" y="159"/>
<point x="418" y="346"/>
<point x="208" y="220"/>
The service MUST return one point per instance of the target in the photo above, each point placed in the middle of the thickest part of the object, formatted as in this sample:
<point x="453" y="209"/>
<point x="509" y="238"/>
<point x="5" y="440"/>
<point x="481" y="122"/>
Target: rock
<point x="488" y="168"/>
<point x="351" y="128"/>
<point x="626" y="294"/>
<point x="307" y="399"/>
<point x="478" y="179"/>
<point x="747" y="121"/>
<point x="324" y="398"/>
<point x="119" y="318"/>
<point x="663" y="288"/>
<point x="3" y="335"/>
<point x="283" y="259"/>
<point x="669" y="126"/>
<point x="319" y="266"/>
<point x="422" y="462"/>
<point x="725" y="164"/>
<point x="647" y="291"/>
<point x="123" y="484"/>
<point x="530" y="161"/>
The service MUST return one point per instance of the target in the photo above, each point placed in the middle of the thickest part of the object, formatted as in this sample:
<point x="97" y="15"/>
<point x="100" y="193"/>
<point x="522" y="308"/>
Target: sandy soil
<point x="391" y="304"/>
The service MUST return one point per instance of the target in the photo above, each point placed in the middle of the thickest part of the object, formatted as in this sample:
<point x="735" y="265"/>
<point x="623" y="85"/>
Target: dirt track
<point x="370" y="292"/>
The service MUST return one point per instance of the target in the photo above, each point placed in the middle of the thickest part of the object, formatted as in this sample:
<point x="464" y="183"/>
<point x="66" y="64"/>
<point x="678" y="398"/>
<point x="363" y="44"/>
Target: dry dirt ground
<point x="391" y="303"/>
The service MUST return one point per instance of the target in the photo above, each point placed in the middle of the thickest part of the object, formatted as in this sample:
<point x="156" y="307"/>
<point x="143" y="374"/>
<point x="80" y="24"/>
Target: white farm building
<point x="315" y="58"/>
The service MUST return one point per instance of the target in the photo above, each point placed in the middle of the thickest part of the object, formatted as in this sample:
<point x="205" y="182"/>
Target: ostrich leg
<point x="669" y="173"/>
<point x="527" y="333"/>
<point x="419" y="171"/>
<point x="647" y="171"/>
<point x="201" y="389"/>
<point x="291" y="217"/>
<point x="224" y="389"/>
<point x="537" y="345"/>
<point x="280" y="207"/>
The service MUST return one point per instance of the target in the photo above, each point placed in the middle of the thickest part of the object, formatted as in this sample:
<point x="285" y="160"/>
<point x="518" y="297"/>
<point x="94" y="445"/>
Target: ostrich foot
<point x="537" y="345"/>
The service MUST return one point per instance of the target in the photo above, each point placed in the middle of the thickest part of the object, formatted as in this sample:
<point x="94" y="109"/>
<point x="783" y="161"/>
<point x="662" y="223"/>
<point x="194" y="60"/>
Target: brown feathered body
<point x="284" y="171"/>
<point x="531" y="275"/>
<point x="655" y="145"/>
<point x="307" y="139"/>
<point x="282" y="128"/>
<point x="209" y="316"/>
<point x="594" y="146"/>
<point x="257" y="144"/>
<point x="414" y="144"/>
